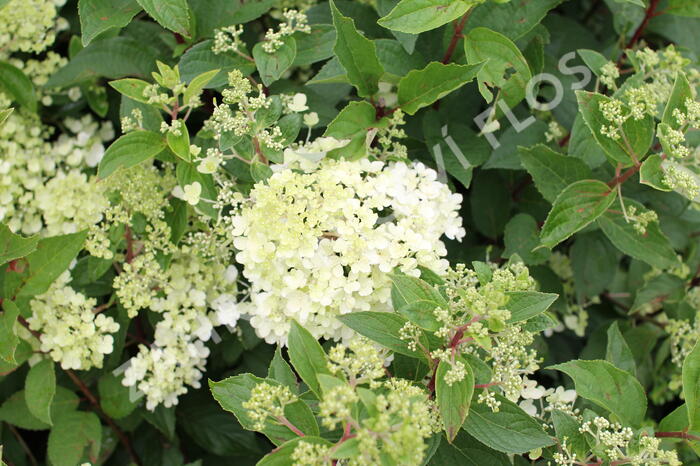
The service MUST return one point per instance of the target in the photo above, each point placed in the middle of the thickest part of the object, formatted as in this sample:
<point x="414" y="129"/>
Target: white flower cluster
<point x="320" y="244"/>
<point x="28" y="200"/>
<point x="178" y="355"/>
<point x="29" y="25"/>
<point x="71" y="333"/>
<point x="559" y="398"/>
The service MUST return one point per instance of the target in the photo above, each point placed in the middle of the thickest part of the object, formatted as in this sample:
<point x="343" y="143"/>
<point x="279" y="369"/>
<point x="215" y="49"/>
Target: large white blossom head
<point x="321" y="244"/>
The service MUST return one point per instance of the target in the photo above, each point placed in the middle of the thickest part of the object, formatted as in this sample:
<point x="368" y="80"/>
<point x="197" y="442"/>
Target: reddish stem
<point x="459" y="27"/>
<point x="650" y="13"/>
<point x="285" y="422"/>
<point x="619" y="179"/>
<point x="487" y="385"/>
<point x="565" y="140"/>
<point x="129" y="245"/>
<point x="681" y="435"/>
<point x="96" y="407"/>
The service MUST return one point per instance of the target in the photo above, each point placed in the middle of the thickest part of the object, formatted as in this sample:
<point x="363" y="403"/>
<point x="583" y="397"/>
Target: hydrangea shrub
<point x="333" y="232"/>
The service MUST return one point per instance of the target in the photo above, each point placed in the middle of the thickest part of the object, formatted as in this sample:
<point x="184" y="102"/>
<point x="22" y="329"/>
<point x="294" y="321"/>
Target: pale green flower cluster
<point x="70" y="202"/>
<point x="401" y="420"/>
<point x="267" y="401"/>
<point x="71" y="333"/>
<point x="681" y="179"/>
<point x="475" y="322"/>
<point x="648" y="95"/>
<point x="362" y="363"/>
<point x="336" y="405"/>
<point x="614" y="444"/>
<point x="684" y="335"/>
<point x="29" y="25"/>
<point x="641" y="220"/>
<point x="293" y="21"/>
<point x="388" y="146"/>
<point x="183" y="295"/>
<point x="140" y="190"/>
<point x="228" y="39"/>
<point x="311" y="454"/>
<point x="608" y="75"/>
<point x="554" y="131"/>
<point x="313" y="245"/>
<point x="242" y="121"/>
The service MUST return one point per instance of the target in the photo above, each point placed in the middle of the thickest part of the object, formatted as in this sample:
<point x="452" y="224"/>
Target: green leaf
<point x="171" y="14"/>
<point x="501" y="56"/>
<point x="467" y="451"/>
<point x="198" y="83"/>
<point x="271" y="66"/>
<point x="282" y="456"/>
<point x="353" y="122"/>
<point x="179" y="144"/>
<point x="679" y="95"/>
<point x="214" y="14"/>
<point x="307" y="356"/>
<point x="259" y="171"/>
<point x="633" y="2"/>
<point x="357" y="55"/>
<point x="130" y="150"/>
<point x="132" y="88"/>
<point x="163" y="419"/>
<point x="39" y="390"/>
<point x="575" y="207"/>
<point x="521" y="237"/>
<point x="232" y="392"/>
<point x="421" y="88"/>
<point x="15" y="411"/>
<point x="71" y="436"/>
<point x="594" y="263"/>
<point x="510" y="430"/>
<point x="618" y="352"/>
<point x="512" y="19"/>
<point x="316" y="46"/>
<point x="524" y="305"/>
<point x="214" y="429"/>
<point x="112" y="58"/>
<point x="384" y="328"/>
<point x="8" y="337"/>
<point x="98" y="16"/>
<point x="594" y="60"/>
<point x="652" y="247"/>
<point x="691" y="387"/>
<point x="416" y="16"/>
<point x="453" y="400"/>
<point x="551" y="171"/>
<point x="114" y="397"/>
<point x="660" y="288"/>
<point x="689" y="8"/>
<point x="200" y="59"/>
<point x="51" y="259"/>
<point x="490" y="203"/>
<point x="567" y="426"/>
<point x="608" y="387"/>
<point x="280" y="371"/>
<point x="639" y="133"/>
<point x="19" y="87"/>
<point x="416" y="300"/>
<point x="652" y="173"/>
<point x="14" y="246"/>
